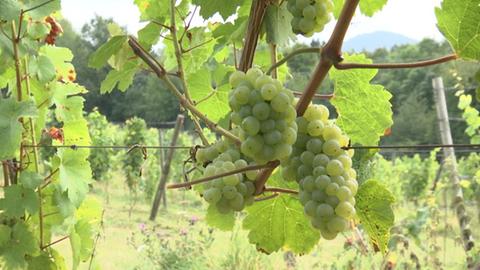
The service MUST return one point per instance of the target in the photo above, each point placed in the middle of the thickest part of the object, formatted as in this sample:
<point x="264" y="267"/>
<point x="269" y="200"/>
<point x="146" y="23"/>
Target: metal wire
<point x="419" y="146"/>
<point x="128" y="147"/>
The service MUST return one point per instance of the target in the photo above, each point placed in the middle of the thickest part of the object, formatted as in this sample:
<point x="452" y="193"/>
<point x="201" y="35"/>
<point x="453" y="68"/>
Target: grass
<point x="220" y="250"/>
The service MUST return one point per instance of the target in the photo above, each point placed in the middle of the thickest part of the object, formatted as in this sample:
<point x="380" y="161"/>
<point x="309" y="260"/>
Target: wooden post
<point x="451" y="164"/>
<point x="166" y="169"/>
<point x="161" y="159"/>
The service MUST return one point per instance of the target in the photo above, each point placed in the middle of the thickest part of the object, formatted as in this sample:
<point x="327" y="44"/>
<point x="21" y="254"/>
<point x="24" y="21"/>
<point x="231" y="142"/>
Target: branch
<point x="262" y="177"/>
<point x="426" y="63"/>
<point x="273" y="59"/>
<point x="161" y="73"/>
<point x="196" y="46"/>
<point x="316" y="96"/>
<point x="55" y="242"/>
<point x="281" y="190"/>
<point x="259" y="199"/>
<point x="213" y="177"/>
<point x="291" y="55"/>
<point x="257" y="12"/>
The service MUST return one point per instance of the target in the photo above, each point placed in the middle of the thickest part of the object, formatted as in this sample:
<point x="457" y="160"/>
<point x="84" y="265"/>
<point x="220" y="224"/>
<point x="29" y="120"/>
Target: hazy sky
<point x="412" y="18"/>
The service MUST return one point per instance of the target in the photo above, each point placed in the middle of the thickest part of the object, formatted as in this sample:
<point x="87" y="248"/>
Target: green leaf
<point x="277" y="25"/>
<point x="61" y="59"/>
<point x="223" y="222"/>
<point x="23" y="242"/>
<point x="18" y="200"/>
<point x="459" y="23"/>
<point x="153" y="9"/>
<point x="10" y="128"/>
<point x="208" y="8"/>
<point x="81" y="241"/>
<point x="149" y="35"/>
<point x="216" y="106"/>
<point x="364" y="109"/>
<point x="45" y="10"/>
<point x="75" y="174"/>
<point x="5" y="234"/>
<point x="367" y="7"/>
<point x="42" y="261"/>
<point x="100" y="57"/>
<point x="30" y="180"/>
<point x="123" y="78"/>
<point x="38" y="30"/>
<point x="43" y="67"/>
<point x="10" y="10"/>
<point x="91" y="210"/>
<point x="280" y="222"/>
<point x="374" y="209"/>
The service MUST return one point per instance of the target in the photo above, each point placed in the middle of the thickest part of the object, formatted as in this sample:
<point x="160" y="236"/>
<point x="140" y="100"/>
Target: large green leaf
<point x="208" y="8"/>
<point x="374" y="208"/>
<point x="223" y="222"/>
<point x="280" y="222"/>
<point x="153" y="9"/>
<point x="200" y="86"/>
<point x="149" y="35"/>
<point x="22" y="242"/>
<point x="18" y="200"/>
<point x="459" y="22"/>
<point x="122" y="78"/>
<point x="10" y="127"/>
<point x="10" y="10"/>
<point x="364" y="109"/>
<point x="43" y="67"/>
<point x="42" y="8"/>
<point x="277" y="25"/>
<point x="100" y="57"/>
<point x="81" y="241"/>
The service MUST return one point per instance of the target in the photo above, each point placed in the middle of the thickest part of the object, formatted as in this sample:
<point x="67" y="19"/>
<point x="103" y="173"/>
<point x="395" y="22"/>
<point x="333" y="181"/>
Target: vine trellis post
<point x="451" y="164"/>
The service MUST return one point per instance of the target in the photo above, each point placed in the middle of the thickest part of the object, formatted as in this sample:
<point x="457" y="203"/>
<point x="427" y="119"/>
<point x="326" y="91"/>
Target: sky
<point x="412" y="18"/>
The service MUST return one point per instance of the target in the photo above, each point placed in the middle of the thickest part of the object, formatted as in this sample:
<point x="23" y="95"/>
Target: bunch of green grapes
<point x="309" y="16"/>
<point x="208" y="154"/>
<point x="324" y="171"/>
<point x="232" y="192"/>
<point x="264" y="112"/>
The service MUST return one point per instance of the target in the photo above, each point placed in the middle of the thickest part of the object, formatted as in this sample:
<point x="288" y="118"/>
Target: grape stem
<point x="316" y="96"/>
<point x="213" y="177"/>
<point x="280" y="190"/>
<point x="259" y="199"/>
<point x="290" y="56"/>
<point x="162" y="74"/>
<point x="331" y="53"/>
<point x="55" y="242"/>
<point x="450" y="57"/>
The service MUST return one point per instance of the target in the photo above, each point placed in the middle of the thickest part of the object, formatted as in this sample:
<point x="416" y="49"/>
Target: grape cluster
<point x="309" y="16"/>
<point x="232" y="192"/>
<point x="264" y="112"/>
<point x="324" y="170"/>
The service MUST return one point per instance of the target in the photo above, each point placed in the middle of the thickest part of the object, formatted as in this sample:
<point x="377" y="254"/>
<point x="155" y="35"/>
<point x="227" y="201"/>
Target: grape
<point x="315" y="128"/>
<point x="343" y="193"/>
<point x="345" y="210"/>
<point x="263" y="116"/>
<point x="331" y="148"/>
<point x="324" y="210"/>
<point x="309" y="16"/>
<point x="315" y="145"/>
<point x="337" y="224"/>
<point x="229" y="192"/>
<point x="311" y="208"/>
<point x="236" y="77"/>
<point x="334" y="168"/>
<point x="322" y="182"/>
<point x="212" y="195"/>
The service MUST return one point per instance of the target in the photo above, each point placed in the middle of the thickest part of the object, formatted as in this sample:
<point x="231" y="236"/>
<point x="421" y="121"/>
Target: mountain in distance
<point x="375" y="40"/>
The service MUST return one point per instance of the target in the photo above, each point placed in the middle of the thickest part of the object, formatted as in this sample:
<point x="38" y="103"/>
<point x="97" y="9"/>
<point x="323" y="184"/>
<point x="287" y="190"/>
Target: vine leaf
<point x="208" y="8"/>
<point x="61" y="59"/>
<point x="81" y="241"/>
<point x="10" y="10"/>
<point x="30" y="179"/>
<point x="280" y="222"/>
<point x="459" y="23"/>
<point x="374" y="209"/>
<point x="216" y="106"/>
<point x="364" y="109"/>
<point x="153" y="9"/>
<point x="43" y="11"/>
<point x="22" y="242"/>
<point x="100" y="57"/>
<point x="122" y="78"/>
<point x="223" y="222"/>
<point x="10" y="128"/>
<point x="367" y="7"/>
<point x="43" y="67"/>
<point x="149" y="35"/>
<point x="17" y="200"/>
<point x="277" y="25"/>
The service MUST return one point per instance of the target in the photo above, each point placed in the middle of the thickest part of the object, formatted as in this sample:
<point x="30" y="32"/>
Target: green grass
<point x="228" y="250"/>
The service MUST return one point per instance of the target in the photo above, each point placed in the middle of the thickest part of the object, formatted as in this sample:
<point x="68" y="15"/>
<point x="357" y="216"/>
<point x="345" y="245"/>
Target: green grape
<point x="315" y="145"/>
<point x="236" y="77"/>
<point x="315" y="128"/>
<point x="332" y="189"/>
<point x="251" y="125"/>
<point x="325" y="210"/>
<point x="253" y="74"/>
<point x="242" y="94"/>
<point x="212" y="195"/>
<point x="290" y="114"/>
<point x="236" y="118"/>
<point x="328" y="235"/>
<point x="306" y="25"/>
<point x="272" y="137"/>
<point x="345" y="210"/>
<point x="281" y="125"/>
<point x="302" y="124"/>
<point x="222" y="206"/>
<point x="318" y="195"/>
<point x="332" y="200"/>
<point x="280" y="102"/>
<point x="254" y="98"/>
<point x="309" y="12"/>
<point x="353" y="186"/>
<point x="308" y="184"/>
<point x="334" y="168"/>
<point x="307" y="158"/>
<point x="311" y="208"/>
<point x="339" y="180"/>
<point x="268" y="91"/>
<point x="322" y="181"/>
<point x="201" y="155"/>
<point x="319" y="170"/>
<point x="250" y="187"/>
<point x="301" y="4"/>
<point x="346" y="161"/>
<point x="237" y="202"/>
<point x="321" y="160"/>
<point x="261" y="111"/>
<point x="240" y="164"/>
<point x="251" y="146"/>
<point x="242" y="189"/>
<point x="267" y="125"/>
<point x="245" y="111"/>
<point x="283" y="150"/>
<point x="337" y="224"/>
<point x="304" y="197"/>
<point x="231" y="180"/>
<point x="289" y="136"/>
<point x="343" y="193"/>
<point x="262" y="81"/>
<point x="332" y="133"/>
<point x="332" y="148"/>
<point x="267" y="152"/>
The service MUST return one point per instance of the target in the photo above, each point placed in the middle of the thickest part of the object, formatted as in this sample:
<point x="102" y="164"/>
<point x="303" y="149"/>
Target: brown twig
<point x="47" y="180"/>
<point x="213" y="177"/>
<point x="273" y="59"/>
<point x="316" y="96"/>
<point x="259" y="199"/>
<point x="425" y="63"/>
<point x="196" y="46"/>
<point x="257" y="13"/>
<point x="280" y="190"/>
<point x="55" y="242"/>
<point x="291" y="55"/>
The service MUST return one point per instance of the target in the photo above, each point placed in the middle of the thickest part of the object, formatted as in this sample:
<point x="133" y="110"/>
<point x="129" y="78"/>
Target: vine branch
<point x="213" y="177"/>
<point x="443" y="59"/>
<point x="290" y="56"/>
<point x="38" y="6"/>
<point x="316" y="96"/>
<point x="55" y="242"/>
<point x="281" y="190"/>
<point x="161" y="73"/>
